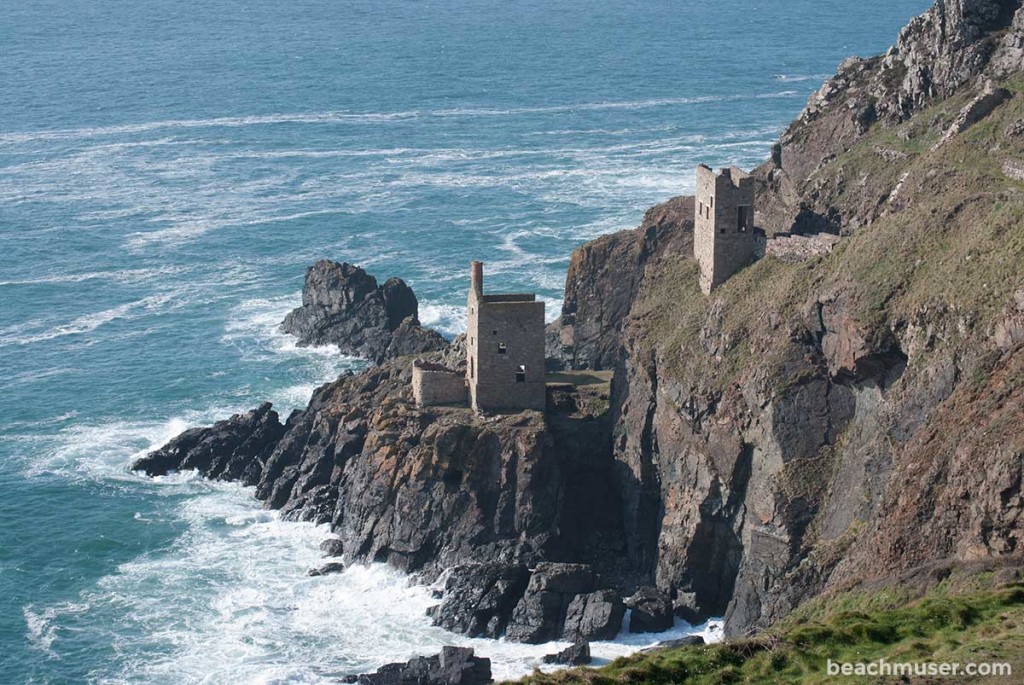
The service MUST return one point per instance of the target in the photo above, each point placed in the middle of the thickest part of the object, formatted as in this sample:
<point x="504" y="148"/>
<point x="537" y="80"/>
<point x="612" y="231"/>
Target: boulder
<point x="327" y="569"/>
<point x="332" y="547"/>
<point x="651" y="611"/>
<point x="577" y="654"/>
<point x="453" y="666"/>
<point x="540" y="614"/>
<point x="594" y="616"/>
<point x="687" y="608"/>
<point x="478" y="599"/>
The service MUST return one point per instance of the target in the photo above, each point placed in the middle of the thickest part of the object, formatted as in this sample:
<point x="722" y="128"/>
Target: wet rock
<point x="650" y="611"/>
<point x="332" y="547"/>
<point x="453" y="666"/>
<point x="688" y="641"/>
<point x="234" y="449"/>
<point x="594" y="616"/>
<point x="478" y="599"/>
<point x="686" y="607"/>
<point x="577" y="654"/>
<point x="342" y="305"/>
<point x="327" y="569"/>
<point x="540" y="614"/>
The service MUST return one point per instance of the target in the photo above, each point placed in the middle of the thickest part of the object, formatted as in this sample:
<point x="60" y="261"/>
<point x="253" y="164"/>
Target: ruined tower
<point x="504" y="348"/>
<point x="723" y="231"/>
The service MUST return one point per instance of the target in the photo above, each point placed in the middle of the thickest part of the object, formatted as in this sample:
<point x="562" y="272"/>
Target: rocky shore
<point x="815" y="425"/>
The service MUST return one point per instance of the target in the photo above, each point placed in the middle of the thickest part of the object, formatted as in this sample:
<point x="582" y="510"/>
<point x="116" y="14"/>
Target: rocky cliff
<point x="813" y="425"/>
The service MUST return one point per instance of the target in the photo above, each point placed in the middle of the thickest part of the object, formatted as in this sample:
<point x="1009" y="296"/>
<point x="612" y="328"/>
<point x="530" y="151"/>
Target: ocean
<point x="167" y="172"/>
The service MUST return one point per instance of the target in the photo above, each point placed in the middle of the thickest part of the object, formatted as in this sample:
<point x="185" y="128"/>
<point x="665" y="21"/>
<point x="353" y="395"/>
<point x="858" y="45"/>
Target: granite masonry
<point x="723" y="241"/>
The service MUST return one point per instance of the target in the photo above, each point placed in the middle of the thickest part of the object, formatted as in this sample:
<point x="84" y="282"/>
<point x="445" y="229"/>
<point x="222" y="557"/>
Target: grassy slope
<point x="975" y="624"/>
<point x="952" y="244"/>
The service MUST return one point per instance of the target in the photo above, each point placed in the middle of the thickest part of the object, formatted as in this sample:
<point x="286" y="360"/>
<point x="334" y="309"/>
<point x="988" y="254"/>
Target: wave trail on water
<point x="15" y="137"/>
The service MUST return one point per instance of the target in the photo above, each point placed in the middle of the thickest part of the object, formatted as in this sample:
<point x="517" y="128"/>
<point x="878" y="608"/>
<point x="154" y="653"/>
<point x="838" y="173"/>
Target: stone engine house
<point x="723" y="231"/>
<point x="504" y="348"/>
<point x="504" y="355"/>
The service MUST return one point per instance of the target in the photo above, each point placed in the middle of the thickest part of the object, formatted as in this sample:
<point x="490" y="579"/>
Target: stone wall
<point x="799" y="248"/>
<point x="723" y="237"/>
<point x="433" y="384"/>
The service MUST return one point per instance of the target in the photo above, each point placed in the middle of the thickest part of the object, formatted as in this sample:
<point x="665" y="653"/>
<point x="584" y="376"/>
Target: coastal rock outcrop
<point x="808" y="426"/>
<point x="342" y="305"/>
<point x="453" y="666"/>
<point x="233" y="449"/>
<point x="602" y="283"/>
<point x="430" y="489"/>
<point x="551" y="601"/>
<point x="594" y="616"/>
<point x="955" y="46"/>
<point x="650" y="611"/>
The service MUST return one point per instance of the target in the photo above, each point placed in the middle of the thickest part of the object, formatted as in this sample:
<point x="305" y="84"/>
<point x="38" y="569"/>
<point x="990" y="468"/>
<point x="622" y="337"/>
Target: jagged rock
<point x="687" y="607"/>
<point x="650" y="611"/>
<point x="332" y="547"/>
<point x="426" y="489"/>
<point x="594" y="616"/>
<point x="688" y="641"/>
<point x="411" y="338"/>
<point x="342" y="305"/>
<point x="234" y="449"/>
<point x="604" y="278"/>
<point x="540" y="614"/>
<point x="479" y="598"/>
<point x="327" y="569"/>
<point x="453" y="666"/>
<point x="577" y="654"/>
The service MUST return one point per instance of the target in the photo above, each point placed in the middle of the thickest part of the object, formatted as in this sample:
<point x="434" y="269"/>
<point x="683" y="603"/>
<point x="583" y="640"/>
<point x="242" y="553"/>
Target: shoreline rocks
<point x="453" y="666"/>
<point x="650" y="611"/>
<point x="577" y="654"/>
<point x="342" y="305"/>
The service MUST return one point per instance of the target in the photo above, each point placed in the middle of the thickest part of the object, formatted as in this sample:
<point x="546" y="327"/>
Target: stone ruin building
<point x="723" y="232"/>
<point x="504" y="355"/>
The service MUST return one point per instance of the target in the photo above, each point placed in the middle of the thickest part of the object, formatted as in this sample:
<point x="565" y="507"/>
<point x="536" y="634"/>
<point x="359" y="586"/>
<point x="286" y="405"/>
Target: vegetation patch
<point x="943" y="626"/>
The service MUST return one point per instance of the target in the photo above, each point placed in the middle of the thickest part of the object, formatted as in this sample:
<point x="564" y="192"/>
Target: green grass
<point x="943" y="626"/>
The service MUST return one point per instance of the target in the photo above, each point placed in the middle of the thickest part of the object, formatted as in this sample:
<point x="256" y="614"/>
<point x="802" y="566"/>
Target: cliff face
<point x="949" y="49"/>
<point x="586" y="335"/>
<point x="813" y="425"/>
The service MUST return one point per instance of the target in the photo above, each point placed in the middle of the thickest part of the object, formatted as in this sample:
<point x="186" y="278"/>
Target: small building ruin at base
<point x="435" y="385"/>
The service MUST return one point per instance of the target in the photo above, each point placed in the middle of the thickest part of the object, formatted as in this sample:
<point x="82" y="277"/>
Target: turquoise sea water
<point x="167" y="171"/>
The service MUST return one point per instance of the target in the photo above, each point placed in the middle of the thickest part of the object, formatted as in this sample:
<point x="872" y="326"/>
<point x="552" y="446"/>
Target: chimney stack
<point x="476" y="278"/>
